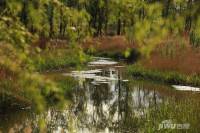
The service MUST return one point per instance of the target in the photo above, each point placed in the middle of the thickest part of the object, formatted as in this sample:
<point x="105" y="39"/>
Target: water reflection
<point x="109" y="105"/>
<point x="106" y="105"/>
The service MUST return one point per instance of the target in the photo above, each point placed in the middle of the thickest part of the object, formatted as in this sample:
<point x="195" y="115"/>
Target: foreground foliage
<point x="22" y="23"/>
<point x="19" y="61"/>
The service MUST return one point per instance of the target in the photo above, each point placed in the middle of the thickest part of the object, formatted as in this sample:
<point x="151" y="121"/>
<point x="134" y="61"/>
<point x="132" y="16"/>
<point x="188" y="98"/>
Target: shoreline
<point x="167" y="77"/>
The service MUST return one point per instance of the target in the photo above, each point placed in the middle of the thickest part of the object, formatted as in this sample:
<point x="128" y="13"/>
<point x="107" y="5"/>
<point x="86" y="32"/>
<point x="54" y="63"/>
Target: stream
<point x="106" y="100"/>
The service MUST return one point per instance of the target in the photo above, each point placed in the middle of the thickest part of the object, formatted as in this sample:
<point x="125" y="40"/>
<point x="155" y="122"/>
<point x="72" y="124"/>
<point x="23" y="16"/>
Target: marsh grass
<point x="180" y="107"/>
<point x="179" y="111"/>
<point x="168" y="77"/>
<point x="174" y="55"/>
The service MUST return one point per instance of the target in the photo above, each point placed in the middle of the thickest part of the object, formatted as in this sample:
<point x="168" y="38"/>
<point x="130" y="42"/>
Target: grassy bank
<point x="58" y="59"/>
<point x="168" y="77"/>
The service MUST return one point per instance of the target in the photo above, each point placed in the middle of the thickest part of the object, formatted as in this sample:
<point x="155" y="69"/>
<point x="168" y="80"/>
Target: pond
<point x="106" y="100"/>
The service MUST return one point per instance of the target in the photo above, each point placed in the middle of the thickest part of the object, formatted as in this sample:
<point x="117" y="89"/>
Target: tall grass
<point x="180" y="107"/>
<point x="195" y="39"/>
<point x="180" y="111"/>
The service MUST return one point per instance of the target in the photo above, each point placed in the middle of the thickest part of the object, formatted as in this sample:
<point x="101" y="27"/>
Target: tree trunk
<point x="24" y="14"/>
<point x="166" y="8"/>
<point x="119" y="27"/>
<point x="51" y="21"/>
<point x="61" y="24"/>
<point x="188" y="20"/>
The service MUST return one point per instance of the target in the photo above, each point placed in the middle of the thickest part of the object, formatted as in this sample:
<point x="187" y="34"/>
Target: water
<point x="106" y="100"/>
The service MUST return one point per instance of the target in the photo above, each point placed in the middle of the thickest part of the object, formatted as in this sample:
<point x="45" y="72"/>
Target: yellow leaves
<point x="36" y="17"/>
<point x="101" y="3"/>
<point x="56" y="2"/>
<point x="150" y="30"/>
<point x="153" y="10"/>
<point x="42" y="125"/>
<point x="13" y="32"/>
<point x="9" y="58"/>
<point x="178" y="2"/>
<point x="147" y="30"/>
<point x="38" y="50"/>
<point x="127" y="52"/>
<point x="19" y="77"/>
<point x="91" y="49"/>
<point x="6" y="19"/>
<point x="15" y="6"/>
<point x="37" y="88"/>
<point x="82" y="56"/>
<point x="82" y="2"/>
<point x="44" y="1"/>
<point x="141" y="30"/>
<point x="150" y="45"/>
<point x="149" y="38"/>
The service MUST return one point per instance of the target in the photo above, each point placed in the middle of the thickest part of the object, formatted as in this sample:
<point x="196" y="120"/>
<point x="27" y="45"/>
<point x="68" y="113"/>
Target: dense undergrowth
<point x="168" y="77"/>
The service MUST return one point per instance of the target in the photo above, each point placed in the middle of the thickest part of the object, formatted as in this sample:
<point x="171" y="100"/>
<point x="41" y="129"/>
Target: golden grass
<point x="185" y="61"/>
<point x="108" y="44"/>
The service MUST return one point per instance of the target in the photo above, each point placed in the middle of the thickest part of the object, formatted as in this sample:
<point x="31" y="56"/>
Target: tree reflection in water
<point x="115" y="106"/>
<point x="111" y="106"/>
